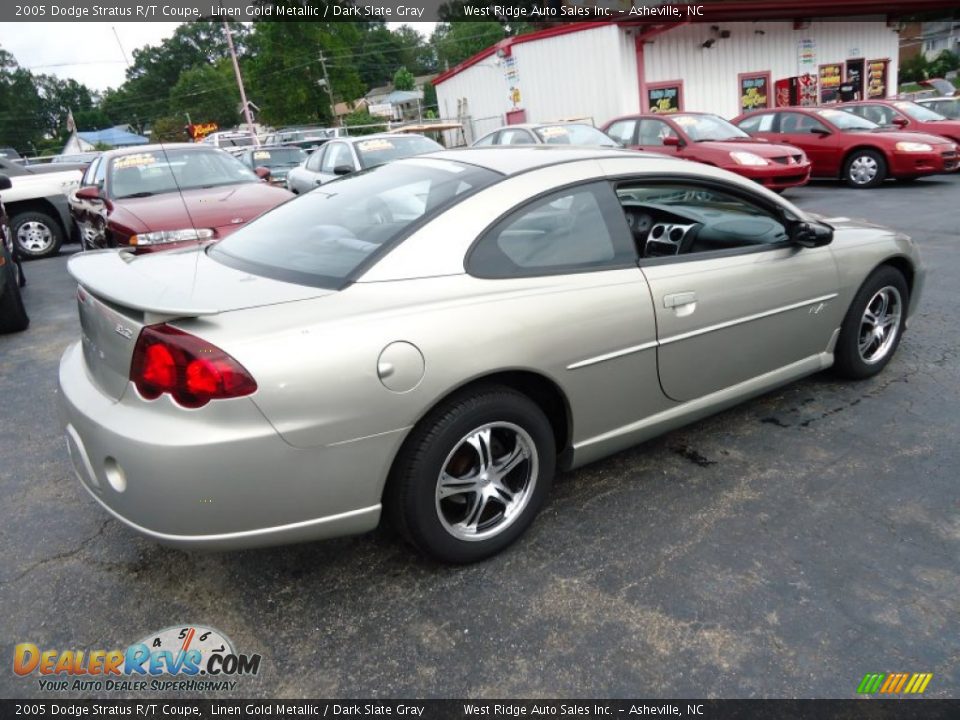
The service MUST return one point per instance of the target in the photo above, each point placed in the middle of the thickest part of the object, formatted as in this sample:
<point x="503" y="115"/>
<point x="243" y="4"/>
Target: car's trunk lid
<point x="120" y="293"/>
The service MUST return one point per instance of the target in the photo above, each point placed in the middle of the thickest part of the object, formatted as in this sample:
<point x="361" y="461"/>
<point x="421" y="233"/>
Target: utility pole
<point x="326" y="84"/>
<point x="243" y="93"/>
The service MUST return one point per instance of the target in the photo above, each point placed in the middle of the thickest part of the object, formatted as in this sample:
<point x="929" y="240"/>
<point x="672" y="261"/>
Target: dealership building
<point x="747" y="55"/>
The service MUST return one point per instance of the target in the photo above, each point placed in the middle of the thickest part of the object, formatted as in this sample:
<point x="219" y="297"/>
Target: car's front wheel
<point x="36" y="234"/>
<point x="872" y="328"/>
<point x="865" y="169"/>
<point x="473" y="475"/>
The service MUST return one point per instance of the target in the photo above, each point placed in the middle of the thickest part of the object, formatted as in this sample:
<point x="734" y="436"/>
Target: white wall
<point x="593" y="73"/>
<point x="710" y="75"/>
<point x="580" y="74"/>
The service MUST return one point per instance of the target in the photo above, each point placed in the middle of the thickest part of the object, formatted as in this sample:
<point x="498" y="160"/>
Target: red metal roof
<point x="744" y="10"/>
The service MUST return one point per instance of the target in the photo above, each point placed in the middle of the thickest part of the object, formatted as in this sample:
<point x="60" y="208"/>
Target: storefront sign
<point x="665" y="97"/>
<point x="754" y="91"/>
<point x="806" y="55"/>
<point x="877" y="78"/>
<point x="831" y="76"/>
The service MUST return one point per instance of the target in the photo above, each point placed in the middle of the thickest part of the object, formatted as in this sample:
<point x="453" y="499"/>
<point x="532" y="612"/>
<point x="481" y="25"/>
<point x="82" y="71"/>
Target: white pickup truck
<point x="37" y="205"/>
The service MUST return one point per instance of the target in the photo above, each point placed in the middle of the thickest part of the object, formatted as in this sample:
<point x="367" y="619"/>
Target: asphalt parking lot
<point x="781" y="549"/>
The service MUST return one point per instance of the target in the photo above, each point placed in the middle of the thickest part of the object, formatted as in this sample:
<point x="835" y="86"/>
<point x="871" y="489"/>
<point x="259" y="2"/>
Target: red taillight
<point x="194" y="372"/>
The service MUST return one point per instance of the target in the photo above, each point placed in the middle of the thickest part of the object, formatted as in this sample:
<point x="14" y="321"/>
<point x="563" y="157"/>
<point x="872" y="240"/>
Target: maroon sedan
<point x="712" y="140"/>
<point x="841" y="144"/>
<point x="905" y="115"/>
<point x="155" y="197"/>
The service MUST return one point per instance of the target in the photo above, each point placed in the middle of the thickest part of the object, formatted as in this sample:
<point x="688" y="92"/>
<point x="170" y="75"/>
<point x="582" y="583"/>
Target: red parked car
<point x="905" y="115"/>
<point x="843" y="145"/>
<point x="154" y="197"/>
<point x="712" y="140"/>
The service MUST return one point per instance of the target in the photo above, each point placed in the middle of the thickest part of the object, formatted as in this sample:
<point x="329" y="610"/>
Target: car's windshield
<point x="323" y="236"/>
<point x="846" y="121"/>
<point x="379" y="150"/>
<point x="708" y="127"/>
<point x="918" y="112"/>
<point x="277" y="157"/>
<point x="949" y="108"/>
<point x="172" y="169"/>
<point x="573" y="135"/>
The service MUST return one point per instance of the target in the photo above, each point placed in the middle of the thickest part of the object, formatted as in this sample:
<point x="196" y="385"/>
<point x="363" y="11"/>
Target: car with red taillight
<point x="161" y="196"/>
<point x="905" y="115"/>
<point x="846" y="146"/>
<point x="710" y="139"/>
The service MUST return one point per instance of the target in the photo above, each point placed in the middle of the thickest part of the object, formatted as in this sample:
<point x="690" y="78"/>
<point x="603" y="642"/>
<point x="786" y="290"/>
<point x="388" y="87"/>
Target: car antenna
<point x="166" y="158"/>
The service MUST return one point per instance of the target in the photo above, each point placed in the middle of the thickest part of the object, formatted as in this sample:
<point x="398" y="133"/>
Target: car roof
<point x="154" y="147"/>
<point x="513" y="159"/>
<point x="375" y="136"/>
<point x="532" y="125"/>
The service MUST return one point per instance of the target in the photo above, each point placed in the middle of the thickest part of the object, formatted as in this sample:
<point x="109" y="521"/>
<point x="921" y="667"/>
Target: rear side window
<point x="322" y="237"/>
<point x="567" y="231"/>
<point x="622" y="131"/>
<point x="757" y="123"/>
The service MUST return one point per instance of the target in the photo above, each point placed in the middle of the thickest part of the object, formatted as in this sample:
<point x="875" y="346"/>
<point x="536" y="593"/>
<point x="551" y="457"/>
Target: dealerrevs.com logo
<point x="187" y="658"/>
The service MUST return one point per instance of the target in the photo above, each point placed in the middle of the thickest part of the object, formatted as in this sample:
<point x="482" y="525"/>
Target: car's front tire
<point x="865" y="169"/>
<point x="873" y="325"/>
<point x="473" y="475"/>
<point x="36" y="234"/>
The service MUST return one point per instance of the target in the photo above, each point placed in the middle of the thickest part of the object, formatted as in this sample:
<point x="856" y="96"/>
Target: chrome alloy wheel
<point x="879" y="325"/>
<point x="486" y="481"/>
<point x="34" y="237"/>
<point x="863" y="170"/>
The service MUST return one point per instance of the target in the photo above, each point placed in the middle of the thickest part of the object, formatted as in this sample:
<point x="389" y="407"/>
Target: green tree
<point x="362" y="117"/>
<point x="285" y="71"/>
<point x="207" y="93"/>
<point x="168" y="128"/>
<point x="913" y="69"/>
<point x="403" y="80"/>
<point x="21" y="107"/>
<point x="944" y="63"/>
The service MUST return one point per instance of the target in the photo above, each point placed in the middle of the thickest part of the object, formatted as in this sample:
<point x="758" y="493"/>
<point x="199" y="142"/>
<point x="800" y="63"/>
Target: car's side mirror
<point x="262" y="172"/>
<point x="672" y="141"/>
<point x="89" y="192"/>
<point x="5" y="183"/>
<point x="811" y="234"/>
<point x="900" y="121"/>
<point x="343" y="169"/>
<point x="822" y="131"/>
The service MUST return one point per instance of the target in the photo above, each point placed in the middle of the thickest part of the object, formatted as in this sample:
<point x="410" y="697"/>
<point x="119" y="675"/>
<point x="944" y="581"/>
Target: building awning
<point x="114" y="137"/>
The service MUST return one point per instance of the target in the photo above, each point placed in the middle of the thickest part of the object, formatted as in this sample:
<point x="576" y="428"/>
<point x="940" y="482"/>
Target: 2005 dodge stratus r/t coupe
<point x="436" y="336"/>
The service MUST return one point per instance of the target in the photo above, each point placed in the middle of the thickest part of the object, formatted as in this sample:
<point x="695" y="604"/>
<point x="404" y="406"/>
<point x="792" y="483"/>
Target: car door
<point x="823" y="145"/>
<point x="651" y="135"/>
<point x="90" y="216"/>
<point x="739" y="301"/>
<point x="624" y="131"/>
<point x="335" y="154"/>
<point x="304" y="177"/>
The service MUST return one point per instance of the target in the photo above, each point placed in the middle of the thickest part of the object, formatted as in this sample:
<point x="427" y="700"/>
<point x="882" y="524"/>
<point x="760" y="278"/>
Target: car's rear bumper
<point x="776" y="176"/>
<point x="220" y="477"/>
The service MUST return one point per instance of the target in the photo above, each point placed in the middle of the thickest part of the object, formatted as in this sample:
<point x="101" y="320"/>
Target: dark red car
<point x="154" y="197"/>
<point x="843" y="145"/>
<point x="905" y="115"/>
<point x="712" y="140"/>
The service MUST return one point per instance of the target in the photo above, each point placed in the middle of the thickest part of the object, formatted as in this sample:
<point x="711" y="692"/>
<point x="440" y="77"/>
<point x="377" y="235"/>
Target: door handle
<point x="679" y="299"/>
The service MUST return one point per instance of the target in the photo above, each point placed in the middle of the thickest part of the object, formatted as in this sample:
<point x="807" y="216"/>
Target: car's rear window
<point x="323" y="237"/>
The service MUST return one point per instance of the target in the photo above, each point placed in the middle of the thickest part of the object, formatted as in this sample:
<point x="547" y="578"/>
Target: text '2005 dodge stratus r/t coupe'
<point x="434" y="337"/>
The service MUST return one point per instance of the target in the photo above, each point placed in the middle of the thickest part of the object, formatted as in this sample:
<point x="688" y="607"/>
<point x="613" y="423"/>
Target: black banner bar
<point x="408" y="11"/>
<point x="866" y="709"/>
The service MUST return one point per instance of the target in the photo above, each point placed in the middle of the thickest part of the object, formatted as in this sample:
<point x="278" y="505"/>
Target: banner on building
<point x="831" y="75"/>
<point x="754" y="91"/>
<point x="665" y="97"/>
<point x="877" y="78"/>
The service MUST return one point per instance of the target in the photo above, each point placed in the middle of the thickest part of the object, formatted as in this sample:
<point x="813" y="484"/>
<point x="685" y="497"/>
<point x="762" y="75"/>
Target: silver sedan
<point x="433" y="339"/>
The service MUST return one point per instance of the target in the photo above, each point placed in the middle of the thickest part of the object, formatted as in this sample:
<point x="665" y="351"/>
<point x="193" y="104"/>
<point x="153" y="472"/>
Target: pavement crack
<point x="693" y="456"/>
<point x="60" y="556"/>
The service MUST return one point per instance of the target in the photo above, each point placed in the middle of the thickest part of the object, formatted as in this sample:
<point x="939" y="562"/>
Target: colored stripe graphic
<point x="894" y="683"/>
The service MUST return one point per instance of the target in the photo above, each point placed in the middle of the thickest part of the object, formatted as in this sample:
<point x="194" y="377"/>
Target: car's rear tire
<point x="865" y="169"/>
<point x="473" y="475"/>
<point x="36" y="234"/>
<point x="873" y="326"/>
<point x="13" y="316"/>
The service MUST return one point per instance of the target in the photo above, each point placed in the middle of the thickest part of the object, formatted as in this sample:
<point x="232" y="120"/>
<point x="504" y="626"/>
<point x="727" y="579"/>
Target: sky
<point x="88" y="52"/>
